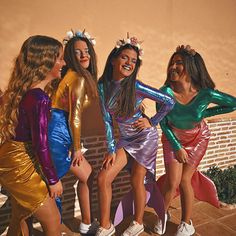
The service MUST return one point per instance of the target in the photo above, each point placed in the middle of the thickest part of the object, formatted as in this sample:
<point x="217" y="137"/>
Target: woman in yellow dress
<point x="24" y="141"/>
<point x="75" y="92"/>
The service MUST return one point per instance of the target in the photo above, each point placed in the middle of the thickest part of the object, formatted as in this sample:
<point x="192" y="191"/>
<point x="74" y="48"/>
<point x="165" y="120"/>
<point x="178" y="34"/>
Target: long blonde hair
<point x="37" y="57"/>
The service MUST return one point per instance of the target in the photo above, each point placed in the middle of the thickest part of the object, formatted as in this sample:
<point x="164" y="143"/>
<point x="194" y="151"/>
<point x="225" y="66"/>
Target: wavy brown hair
<point x="90" y="74"/>
<point x="37" y="57"/>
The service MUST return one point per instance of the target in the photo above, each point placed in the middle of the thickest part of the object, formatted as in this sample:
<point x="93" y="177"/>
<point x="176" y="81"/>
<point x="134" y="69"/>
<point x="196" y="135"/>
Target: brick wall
<point x="221" y="151"/>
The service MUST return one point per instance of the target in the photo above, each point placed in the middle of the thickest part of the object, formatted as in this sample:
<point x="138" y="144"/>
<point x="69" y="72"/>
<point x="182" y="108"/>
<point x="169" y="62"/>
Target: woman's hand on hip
<point x="141" y="123"/>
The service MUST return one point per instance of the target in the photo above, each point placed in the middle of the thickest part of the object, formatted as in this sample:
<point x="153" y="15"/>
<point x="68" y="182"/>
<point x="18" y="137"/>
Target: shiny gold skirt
<point x="18" y="175"/>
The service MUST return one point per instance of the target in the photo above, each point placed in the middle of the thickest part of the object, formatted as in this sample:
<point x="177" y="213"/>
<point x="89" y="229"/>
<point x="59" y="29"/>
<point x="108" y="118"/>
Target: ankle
<point x="188" y="221"/>
<point x="106" y="225"/>
<point x="85" y="223"/>
<point x="140" y="222"/>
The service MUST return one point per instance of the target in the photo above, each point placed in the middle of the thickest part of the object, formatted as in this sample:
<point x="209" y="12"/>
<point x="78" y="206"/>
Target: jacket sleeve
<point x="39" y="118"/>
<point x="166" y="128"/>
<point x="76" y="100"/>
<point x="108" y="122"/>
<point x="165" y="102"/>
<point x="170" y="135"/>
<point x="225" y="103"/>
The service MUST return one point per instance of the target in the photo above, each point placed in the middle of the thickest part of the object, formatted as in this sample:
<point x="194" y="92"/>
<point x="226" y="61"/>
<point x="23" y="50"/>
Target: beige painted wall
<point x="207" y="25"/>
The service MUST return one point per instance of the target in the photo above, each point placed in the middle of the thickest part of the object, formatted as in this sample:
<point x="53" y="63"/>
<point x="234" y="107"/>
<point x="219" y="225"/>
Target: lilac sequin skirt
<point x="194" y="141"/>
<point x="140" y="145"/>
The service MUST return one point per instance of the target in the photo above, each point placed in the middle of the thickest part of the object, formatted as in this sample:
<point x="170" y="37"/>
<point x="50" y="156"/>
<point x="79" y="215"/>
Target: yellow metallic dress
<point x="65" y="123"/>
<point x="20" y="158"/>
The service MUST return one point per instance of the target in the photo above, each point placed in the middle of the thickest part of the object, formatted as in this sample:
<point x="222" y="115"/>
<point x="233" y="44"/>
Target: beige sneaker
<point x="134" y="229"/>
<point x="185" y="229"/>
<point x="106" y="232"/>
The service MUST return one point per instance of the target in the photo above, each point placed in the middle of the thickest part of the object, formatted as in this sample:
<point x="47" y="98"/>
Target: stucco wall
<point x="207" y="25"/>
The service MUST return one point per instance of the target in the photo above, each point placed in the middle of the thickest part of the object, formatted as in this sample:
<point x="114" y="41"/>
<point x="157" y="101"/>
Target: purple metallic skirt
<point x="141" y="145"/>
<point x="194" y="141"/>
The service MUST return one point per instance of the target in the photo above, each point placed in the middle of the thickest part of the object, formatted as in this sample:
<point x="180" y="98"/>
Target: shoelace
<point x="100" y="229"/>
<point x="94" y="225"/>
<point x="159" y="224"/>
<point x="130" y="229"/>
<point x="182" y="226"/>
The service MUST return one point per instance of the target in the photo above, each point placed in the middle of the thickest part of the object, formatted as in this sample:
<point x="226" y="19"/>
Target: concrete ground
<point x="207" y="220"/>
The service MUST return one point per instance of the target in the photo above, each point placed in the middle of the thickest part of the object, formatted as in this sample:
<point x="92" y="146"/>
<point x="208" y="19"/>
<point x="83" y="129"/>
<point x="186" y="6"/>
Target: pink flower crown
<point x="187" y="49"/>
<point x="71" y="34"/>
<point x="132" y="41"/>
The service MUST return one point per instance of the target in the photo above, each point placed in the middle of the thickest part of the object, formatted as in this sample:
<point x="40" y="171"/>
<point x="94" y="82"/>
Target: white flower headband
<point x="132" y="41"/>
<point x="187" y="49"/>
<point x="71" y="34"/>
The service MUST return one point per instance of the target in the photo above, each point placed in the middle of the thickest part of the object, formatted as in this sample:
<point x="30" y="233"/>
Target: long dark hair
<point x="195" y="67"/>
<point x="72" y="63"/>
<point x="126" y="100"/>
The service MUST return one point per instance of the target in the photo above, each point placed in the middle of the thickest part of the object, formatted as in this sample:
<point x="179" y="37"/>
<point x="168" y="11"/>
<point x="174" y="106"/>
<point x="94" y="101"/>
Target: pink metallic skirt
<point x="194" y="141"/>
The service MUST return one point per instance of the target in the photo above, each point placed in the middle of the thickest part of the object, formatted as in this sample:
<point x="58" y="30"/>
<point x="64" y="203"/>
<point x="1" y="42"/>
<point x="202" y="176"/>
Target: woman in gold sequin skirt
<point x="24" y="149"/>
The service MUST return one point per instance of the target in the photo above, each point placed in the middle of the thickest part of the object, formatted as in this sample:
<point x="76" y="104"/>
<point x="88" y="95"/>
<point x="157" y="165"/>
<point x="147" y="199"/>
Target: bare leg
<point x="85" y="175"/>
<point x="173" y="177"/>
<point x="187" y="194"/>
<point x="16" y="219"/>
<point x="105" y="179"/>
<point x="138" y="173"/>
<point x="49" y="217"/>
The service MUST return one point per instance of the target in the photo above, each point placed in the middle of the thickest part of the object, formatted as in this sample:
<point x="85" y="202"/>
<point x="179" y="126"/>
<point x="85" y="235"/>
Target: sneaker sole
<point x="112" y="232"/>
<point x="88" y="232"/>
<point x="139" y="232"/>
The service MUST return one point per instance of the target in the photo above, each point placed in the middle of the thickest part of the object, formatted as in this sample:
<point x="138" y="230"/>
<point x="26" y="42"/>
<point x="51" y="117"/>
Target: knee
<point x="185" y="181"/>
<point x="173" y="185"/>
<point x="87" y="177"/>
<point x="103" y="180"/>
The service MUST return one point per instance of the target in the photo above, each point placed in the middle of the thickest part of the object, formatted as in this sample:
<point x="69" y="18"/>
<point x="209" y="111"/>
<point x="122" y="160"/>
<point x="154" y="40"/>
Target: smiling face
<point x="124" y="64"/>
<point x="176" y="68"/>
<point x="82" y="53"/>
<point x="56" y="70"/>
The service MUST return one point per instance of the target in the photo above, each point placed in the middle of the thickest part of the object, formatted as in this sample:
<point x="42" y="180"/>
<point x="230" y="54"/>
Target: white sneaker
<point x="158" y="226"/>
<point x="134" y="229"/>
<point x="89" y="228"/>
<point x="106" y="232"/>
<point x="185" y="229"/>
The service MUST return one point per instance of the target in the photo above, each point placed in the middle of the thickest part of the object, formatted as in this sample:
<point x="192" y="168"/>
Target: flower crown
<point x="132" y="41"/>
<point x="71" y="34"/>
<point x="187" y="49"/>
